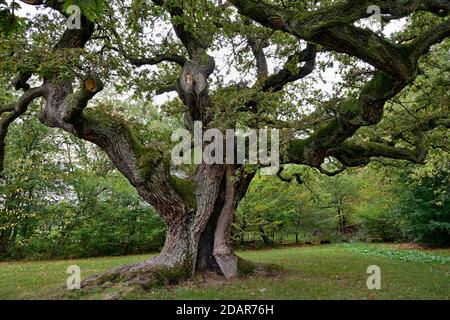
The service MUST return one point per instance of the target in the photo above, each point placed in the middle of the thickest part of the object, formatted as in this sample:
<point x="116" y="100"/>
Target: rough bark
<point x="215" y="252"/>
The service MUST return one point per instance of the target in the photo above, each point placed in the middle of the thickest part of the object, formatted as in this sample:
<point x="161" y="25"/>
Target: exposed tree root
<point x="146" y="275"/>
<point x="250" y="268"/>
<point x="149" y="275"/>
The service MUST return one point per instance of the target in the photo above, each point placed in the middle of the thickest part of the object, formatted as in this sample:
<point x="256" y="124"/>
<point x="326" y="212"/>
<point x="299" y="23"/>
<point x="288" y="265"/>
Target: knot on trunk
<point x="93" y="84"/>
<point x="192" y="80"/>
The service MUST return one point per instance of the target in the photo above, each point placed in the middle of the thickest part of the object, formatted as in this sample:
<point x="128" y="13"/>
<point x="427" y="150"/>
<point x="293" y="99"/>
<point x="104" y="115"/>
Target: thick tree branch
<point x="14" y="112"/>
<point x="289" y="179"/>
<point x="33" y="2"/>
<point x="276" y="82"/>
<point x="20" y="82"/>
<point x="421" y="45"/>
<point x="257" y="47"/>
<point x="353" y="113"/>
<point x="155" y="59"/>
<point x="332" y="173"/>
<point x="192" y="43"/>
<point x="166" y="88"/>
<point x="193" y="80"/>
<point x="77" y="102"/>
<point x="7" y="108"/>
<point x="352" y="154"/>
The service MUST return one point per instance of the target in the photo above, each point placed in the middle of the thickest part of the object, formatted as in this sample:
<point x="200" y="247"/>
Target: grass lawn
<point x="322" y="272"/>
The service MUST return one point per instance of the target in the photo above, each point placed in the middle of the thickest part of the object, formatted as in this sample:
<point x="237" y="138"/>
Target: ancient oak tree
<point x="228" y="64"/>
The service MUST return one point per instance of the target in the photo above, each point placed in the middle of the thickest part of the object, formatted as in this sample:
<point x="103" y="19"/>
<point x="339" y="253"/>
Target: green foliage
<point x="377" y="200"/>
<point x="425" y="205"/>
<point x="402" y="255"/>
<point x="274" y="211"/>
<point x="27" y="177"/>
<point x="10" y="23"/>
<point x="374" y="204"/>
<point x="90" y="8"/>
<point x="62" y="198"/>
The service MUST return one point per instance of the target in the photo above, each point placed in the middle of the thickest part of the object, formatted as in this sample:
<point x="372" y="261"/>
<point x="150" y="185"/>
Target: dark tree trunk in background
<point x="4" y="242"/>
<point x="265" y="238"/>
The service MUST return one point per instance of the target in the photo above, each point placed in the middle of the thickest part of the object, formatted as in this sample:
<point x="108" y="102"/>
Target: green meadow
<point x="312" y="272"/>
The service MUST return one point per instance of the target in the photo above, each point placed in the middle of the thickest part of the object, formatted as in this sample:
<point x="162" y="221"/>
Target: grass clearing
<point x="321" y="272"/>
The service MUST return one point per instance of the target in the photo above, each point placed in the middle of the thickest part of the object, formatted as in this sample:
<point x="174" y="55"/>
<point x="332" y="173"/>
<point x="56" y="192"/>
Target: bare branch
<point x="192" y="43"/>
<point x="167" y="88"/>
<point x="137" y="61"/>
<point x="277" y="81"/>
<point x="257" y="47"/>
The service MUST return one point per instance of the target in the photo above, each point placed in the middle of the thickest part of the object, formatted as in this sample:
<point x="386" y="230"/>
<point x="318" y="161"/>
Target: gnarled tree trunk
<point x="215" y="253"/>
<point x="197" y="242"/>
<point x="202" y="239"/>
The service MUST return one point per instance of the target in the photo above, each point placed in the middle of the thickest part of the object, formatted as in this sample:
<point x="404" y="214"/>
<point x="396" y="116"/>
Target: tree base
<point x="145" y="275"/>
<point x="148" y="275"/>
